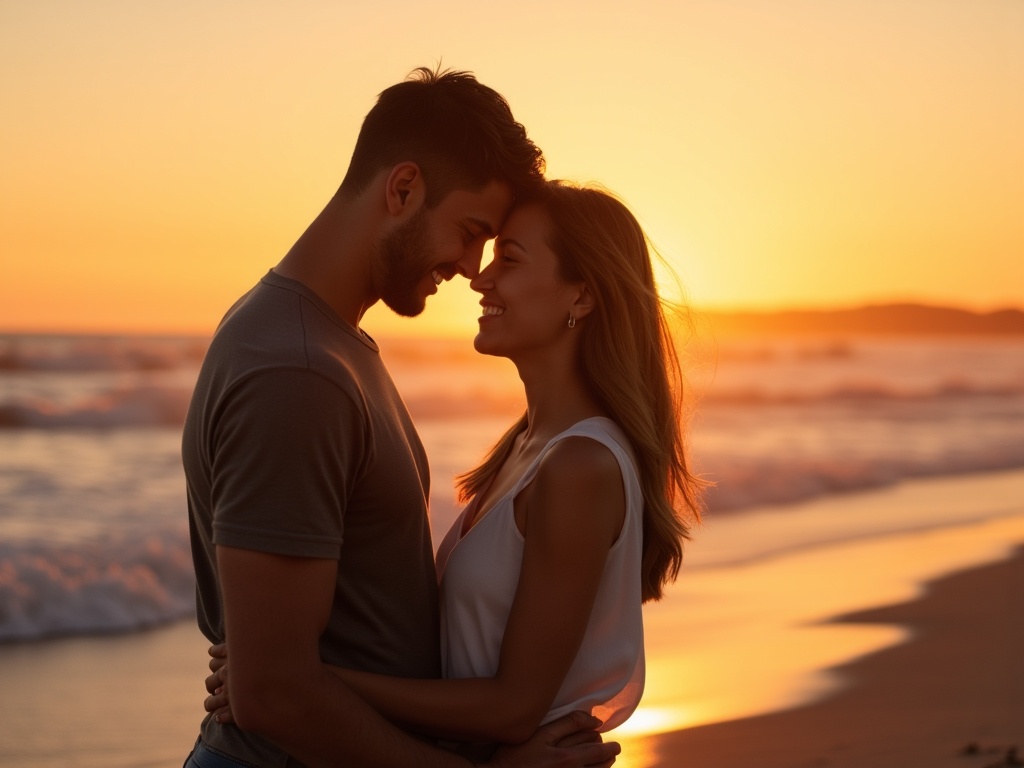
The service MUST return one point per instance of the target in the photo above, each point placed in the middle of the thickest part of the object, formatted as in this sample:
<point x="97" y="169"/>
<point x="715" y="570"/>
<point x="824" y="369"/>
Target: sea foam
<point x="112" y="586"/>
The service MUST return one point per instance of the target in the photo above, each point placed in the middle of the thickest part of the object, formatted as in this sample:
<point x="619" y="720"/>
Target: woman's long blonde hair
<point x="629" y="362"/>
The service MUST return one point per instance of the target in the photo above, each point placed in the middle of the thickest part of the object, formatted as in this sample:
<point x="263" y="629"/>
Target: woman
<point x="577" y="515"/>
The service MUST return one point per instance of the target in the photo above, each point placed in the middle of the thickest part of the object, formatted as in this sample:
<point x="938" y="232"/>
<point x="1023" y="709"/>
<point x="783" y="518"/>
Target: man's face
<point x="436" y="244"/>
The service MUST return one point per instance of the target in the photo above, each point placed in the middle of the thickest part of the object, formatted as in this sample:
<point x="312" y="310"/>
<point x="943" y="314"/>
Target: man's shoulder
<point x="265" y="317"/>
<point x="278" y="325"/>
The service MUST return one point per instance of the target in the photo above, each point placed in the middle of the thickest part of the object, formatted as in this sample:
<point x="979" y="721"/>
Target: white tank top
<point x="478" y="574"/>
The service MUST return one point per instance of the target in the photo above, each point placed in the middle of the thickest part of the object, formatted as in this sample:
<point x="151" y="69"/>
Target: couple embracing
<point x="337" y="639"/>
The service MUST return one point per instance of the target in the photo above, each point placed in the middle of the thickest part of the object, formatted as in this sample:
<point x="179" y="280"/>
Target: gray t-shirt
<point x="297" y="443"/>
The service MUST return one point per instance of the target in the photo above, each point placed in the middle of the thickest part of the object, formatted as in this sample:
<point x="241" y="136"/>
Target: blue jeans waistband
<point x="204" y="757"/>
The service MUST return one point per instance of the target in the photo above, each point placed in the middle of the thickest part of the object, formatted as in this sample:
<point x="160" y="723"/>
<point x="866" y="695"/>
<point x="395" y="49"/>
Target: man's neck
<point x="333" y="257"/>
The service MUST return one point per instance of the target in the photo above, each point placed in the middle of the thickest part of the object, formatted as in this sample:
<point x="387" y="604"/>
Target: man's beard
<point x="403" y="258"/>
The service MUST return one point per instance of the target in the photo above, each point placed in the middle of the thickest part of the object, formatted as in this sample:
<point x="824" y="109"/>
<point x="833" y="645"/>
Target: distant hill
<point x="884" y="319"/>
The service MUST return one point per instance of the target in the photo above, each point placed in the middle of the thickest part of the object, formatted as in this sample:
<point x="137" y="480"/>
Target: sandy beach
<point x="951" y="696"/>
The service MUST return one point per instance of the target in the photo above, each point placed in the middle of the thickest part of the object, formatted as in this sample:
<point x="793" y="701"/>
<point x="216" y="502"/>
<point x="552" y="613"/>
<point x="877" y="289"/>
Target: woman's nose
<point x="482" y="281"/>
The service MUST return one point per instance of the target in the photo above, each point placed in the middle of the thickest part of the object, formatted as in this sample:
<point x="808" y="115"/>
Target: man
<point x="307" y="483"/>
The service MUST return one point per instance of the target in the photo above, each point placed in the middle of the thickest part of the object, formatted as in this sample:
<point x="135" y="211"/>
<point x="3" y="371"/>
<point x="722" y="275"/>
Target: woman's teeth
<point x="491" y="310"/>
<point x="437" y="276"/>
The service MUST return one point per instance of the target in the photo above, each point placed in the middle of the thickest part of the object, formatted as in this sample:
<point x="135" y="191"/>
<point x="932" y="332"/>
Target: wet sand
<point x="953" y="695"/>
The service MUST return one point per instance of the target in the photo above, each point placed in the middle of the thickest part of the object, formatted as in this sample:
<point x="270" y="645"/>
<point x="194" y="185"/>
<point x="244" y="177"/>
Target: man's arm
<point x="285" y="438"/>
<point x="275" y="611"/>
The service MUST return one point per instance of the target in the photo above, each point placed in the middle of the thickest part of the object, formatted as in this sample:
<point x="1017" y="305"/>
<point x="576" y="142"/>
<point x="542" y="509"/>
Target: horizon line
<point x="695" y="310"/>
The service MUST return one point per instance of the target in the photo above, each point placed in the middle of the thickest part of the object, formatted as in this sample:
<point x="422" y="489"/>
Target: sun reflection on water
<point x="638" y="751"/>
<point x="647" y="720"/>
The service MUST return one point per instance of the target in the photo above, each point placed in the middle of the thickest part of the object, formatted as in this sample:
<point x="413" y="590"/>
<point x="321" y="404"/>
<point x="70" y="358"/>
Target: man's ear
<point x="404" y="190"/>
<point x="584" y="303"/>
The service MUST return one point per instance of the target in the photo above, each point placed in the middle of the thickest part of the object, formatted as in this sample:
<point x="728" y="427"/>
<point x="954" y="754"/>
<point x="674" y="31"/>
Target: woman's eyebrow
<point x="503" y="241"/>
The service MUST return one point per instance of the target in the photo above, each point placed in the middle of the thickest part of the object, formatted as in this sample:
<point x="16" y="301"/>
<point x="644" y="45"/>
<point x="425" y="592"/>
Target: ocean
<point x="819" y="448"/>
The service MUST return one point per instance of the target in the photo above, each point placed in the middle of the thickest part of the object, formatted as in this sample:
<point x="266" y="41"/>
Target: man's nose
<point x="469" y="265"/>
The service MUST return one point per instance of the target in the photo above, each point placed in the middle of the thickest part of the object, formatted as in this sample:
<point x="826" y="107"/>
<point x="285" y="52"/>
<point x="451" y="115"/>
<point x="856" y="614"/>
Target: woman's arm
<point x="570" y="514"/>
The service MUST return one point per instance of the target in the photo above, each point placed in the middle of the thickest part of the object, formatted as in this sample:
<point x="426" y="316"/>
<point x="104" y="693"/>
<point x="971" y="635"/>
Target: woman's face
<point x="525" y="302"/>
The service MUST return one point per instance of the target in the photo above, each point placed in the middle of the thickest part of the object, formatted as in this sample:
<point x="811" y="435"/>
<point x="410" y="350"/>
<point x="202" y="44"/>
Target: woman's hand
<point x="217" y="702"/>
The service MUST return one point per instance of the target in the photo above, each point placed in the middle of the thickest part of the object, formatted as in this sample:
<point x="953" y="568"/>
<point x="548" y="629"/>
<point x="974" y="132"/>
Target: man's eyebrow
<point x="484" y="227"/>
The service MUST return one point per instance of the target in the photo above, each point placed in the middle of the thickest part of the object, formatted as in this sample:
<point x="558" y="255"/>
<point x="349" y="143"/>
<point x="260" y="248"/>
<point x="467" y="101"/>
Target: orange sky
<point x="159" y="157"/>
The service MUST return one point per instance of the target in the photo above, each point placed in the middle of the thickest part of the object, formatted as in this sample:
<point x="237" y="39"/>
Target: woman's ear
<point x="584" y="303"/>
<point x="404" y="190"/>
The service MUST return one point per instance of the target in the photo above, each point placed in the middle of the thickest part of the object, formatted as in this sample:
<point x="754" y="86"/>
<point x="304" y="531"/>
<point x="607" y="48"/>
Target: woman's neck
<point x="556" y="398"/>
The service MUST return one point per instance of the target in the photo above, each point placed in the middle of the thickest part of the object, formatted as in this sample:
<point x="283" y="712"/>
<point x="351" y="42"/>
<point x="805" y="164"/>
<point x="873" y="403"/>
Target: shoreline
<point x="951" y="695"/>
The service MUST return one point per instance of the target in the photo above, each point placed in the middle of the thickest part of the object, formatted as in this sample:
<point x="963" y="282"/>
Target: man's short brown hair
<point x="460" y="132"/>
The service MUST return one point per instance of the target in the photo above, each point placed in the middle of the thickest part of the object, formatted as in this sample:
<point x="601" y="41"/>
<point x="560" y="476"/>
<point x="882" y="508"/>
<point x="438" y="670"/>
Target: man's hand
<point x="567" y="742"/>
<point x="218" y="703"/>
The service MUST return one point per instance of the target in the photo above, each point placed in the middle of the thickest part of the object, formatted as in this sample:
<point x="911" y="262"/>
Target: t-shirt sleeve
<point x="287" y="449"/>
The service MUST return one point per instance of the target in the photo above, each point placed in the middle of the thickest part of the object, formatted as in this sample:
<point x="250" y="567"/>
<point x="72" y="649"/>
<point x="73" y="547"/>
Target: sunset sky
<point x="159" y="157"/>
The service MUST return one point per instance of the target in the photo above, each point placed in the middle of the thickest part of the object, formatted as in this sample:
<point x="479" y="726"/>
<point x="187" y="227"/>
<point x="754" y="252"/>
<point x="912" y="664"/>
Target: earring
<point x="572" y="321"/>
